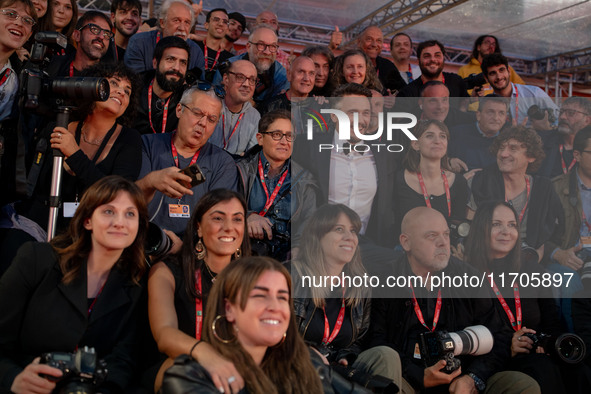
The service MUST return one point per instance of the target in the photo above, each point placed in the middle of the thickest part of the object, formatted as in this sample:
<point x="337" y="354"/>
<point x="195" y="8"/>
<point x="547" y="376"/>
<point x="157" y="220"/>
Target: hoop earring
<point x="281" y="341"/>
<point x="215" y="334"/>
<point x="238" y="253"/>
<point x="200" y="249"/>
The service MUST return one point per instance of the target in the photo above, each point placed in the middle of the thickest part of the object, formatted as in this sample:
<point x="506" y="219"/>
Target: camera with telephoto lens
<point x="43" y="94"/>
<point x="82" y="371"/>
<point x="443" y="345"/>
<point x="474" y="80"/>
<point x="537" y="113"/>
<point x="157" y="243"/>
<point x="458" y="231"/>
<point x="568" y="348"/>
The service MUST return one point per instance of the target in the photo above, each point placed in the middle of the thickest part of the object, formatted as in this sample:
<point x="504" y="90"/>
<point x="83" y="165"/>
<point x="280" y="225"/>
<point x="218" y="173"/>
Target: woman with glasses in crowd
<point x="81" y="289"/>
<point x="180" y="285"/>
<point x="427" y="178"/>
<point x="250" y="320"/>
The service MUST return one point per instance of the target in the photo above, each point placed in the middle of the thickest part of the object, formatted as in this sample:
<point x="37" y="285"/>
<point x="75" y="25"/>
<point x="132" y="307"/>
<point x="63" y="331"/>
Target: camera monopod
<point x="63" y="116"/>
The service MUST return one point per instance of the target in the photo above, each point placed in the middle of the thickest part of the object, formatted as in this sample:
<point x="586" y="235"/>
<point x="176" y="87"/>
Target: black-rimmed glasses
<point x="240" y="78"/>
<point x="261" y="46"/>
<point x="277" y="135"/>
<point x="97" y="30"/>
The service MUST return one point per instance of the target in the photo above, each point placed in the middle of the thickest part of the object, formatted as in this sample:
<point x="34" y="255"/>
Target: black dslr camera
<point x="82" y="371"/>
<point x="568" y="348"/>
<point x="474" y="81"/>
<point x="537" y="113"/>
<point x="443" y="345"/>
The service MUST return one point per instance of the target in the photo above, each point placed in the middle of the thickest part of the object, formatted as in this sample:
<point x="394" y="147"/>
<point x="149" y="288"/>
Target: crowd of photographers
<point x="108" y="123"/>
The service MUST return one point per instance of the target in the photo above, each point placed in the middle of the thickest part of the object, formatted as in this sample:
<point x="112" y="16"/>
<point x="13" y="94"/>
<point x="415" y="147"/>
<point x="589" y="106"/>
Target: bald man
<point x="237" y="128"/>
<point x="301" y="76"/>
<point x="371" y="41"/>
<point x="396" y="323"/>
<point x="268" y="18"/>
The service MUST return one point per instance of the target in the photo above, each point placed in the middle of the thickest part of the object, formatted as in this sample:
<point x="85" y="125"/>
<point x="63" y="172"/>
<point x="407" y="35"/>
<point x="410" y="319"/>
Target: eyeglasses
<point x="278" y="135"/>
<point x="216" y="19"/>
<point x="571" y="112"/>
<point x="200" y="114"/>
<point x="240" y="78"/>
<point x="261" y="46"/>
<point x="97" y="30"/>
<point x="14" y="16"/>
<point x="206" y="87"/>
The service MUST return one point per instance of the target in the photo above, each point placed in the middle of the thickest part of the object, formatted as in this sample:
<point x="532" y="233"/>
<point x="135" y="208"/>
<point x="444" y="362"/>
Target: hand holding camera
<point x="29" y="380"/>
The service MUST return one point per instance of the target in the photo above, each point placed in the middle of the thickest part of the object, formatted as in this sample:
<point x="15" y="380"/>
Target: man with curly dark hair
<point x="519" y="152"/>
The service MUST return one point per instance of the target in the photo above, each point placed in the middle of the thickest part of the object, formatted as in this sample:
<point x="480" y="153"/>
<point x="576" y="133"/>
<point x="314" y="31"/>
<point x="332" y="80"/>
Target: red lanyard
<point x="442" y="78"/>
<point x="420" y="314"/>
<point x="164" y="112"/>
<point x="516" y="324"/>
<point x="426" y="196"/>
<point x="5" y="76"/>
<point x="175" y="155"/>
<point x="217" y="56"/>
<point x="275" y="191"/>
<point x="71" y="69"/>
<point x="158" y="35"/>
<point x="572" y="163"/>
<point x="91" y="307"/>
<point x="329" y="337"/>
<point x="527" y="190"/>
<point x="198" y="306"/>
<point x="233" y="130"/>
<point x="585" y="222"/>
<point x="516" y="102"/>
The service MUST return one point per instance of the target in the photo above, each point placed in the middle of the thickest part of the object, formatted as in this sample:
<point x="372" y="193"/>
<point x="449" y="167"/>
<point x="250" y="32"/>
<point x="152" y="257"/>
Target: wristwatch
<point x="479" y="383"/>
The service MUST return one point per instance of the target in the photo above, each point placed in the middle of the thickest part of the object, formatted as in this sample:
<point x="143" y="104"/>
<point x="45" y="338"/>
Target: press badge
<point x="586" y="241"/>
<point x="417" y="352"/>
<point x="70" y="209"/>
<point x="178" y="211"/>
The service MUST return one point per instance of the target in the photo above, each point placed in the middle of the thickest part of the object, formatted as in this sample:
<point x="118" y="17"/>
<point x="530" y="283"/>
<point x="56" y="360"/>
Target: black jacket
<point x="545" y="215"/>
<point x="395" y="324"/>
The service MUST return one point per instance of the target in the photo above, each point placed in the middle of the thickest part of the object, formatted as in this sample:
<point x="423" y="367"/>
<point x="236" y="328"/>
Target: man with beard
<point x="431" y="56"/>
<point x="401" y="49"/>
<point x="262" y="51"/>
<point x="216" y="24"/>
<point x="236" y="131"/>
<point x="176" y="19"/>
<point x="495" y="68"/>
<point x="236" y="27"/>
<point x="126" y="16"/>
<point x="163" y="87"/>
<point x="575" y="114"/>
<point x="301" y="76"/>
<point x="483" y="46"/>
<point x="371" y="42"/>
<point x="92" y="34"/>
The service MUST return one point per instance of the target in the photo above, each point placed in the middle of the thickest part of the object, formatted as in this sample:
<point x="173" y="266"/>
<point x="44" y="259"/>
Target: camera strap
<point x="515" y="323"/>
<point x="419" y="314"/>
<point x="198" y="305"/>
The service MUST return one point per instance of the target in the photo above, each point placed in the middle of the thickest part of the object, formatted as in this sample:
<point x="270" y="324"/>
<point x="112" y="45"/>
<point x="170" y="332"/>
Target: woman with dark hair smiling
<point x="82" y="289"/>
<point x="493" y="247"/>
<point x="179" y="286"/>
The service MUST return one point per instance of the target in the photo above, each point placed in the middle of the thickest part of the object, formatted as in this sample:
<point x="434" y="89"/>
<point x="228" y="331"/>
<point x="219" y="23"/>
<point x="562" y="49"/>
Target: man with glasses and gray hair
<point x="261" y="50"/>
<point x="236" y="131"/>
<point x="176" y="19"/>
<point x="169" y="191"/>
